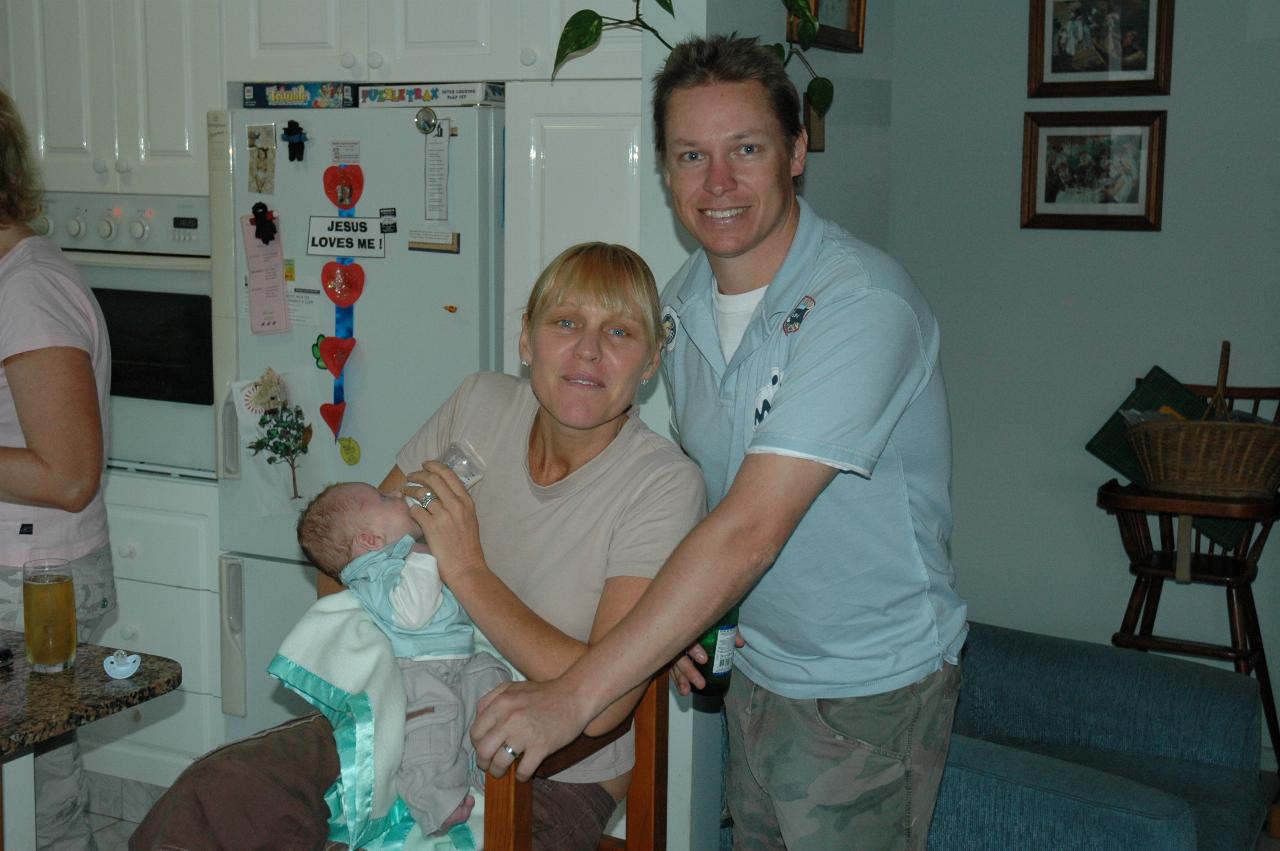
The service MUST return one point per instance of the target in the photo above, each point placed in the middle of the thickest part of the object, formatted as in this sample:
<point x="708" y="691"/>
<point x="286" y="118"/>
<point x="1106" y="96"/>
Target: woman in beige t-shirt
<point x="580" y="503"/>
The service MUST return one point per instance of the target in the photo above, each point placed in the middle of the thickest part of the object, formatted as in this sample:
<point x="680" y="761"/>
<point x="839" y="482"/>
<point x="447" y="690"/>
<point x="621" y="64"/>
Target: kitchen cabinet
<point x="414" y="40"/>
<point x="164" y="546"/>
<point x="114" y="94"/>
<point x="561" y="137"/>
<point x="179" y="597"/>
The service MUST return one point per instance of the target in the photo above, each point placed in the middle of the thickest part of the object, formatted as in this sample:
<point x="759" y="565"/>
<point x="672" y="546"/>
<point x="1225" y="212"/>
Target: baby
<point x="368" y="541"/>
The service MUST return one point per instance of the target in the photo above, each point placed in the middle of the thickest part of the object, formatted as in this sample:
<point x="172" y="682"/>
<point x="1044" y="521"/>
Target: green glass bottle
<point x="718" y="642"/>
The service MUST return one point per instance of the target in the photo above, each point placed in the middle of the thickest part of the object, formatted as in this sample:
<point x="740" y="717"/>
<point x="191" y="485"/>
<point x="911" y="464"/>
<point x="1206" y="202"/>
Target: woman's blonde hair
<point x="608" y="274"/>
<point x="19" y="186"/>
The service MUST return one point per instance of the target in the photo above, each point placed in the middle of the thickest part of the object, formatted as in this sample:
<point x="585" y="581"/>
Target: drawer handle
<point x="127" y="551"/>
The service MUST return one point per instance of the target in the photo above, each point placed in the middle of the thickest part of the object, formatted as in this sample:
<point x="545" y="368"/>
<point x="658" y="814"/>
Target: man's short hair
<point x="724" y="59"/>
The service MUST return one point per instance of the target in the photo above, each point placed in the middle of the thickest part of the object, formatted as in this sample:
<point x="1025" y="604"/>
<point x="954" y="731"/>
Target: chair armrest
<point x="508" y="803"/>
<point x="508" y="806"/>
<point x="1023" y="685"/>
<point x="999" y="797"/>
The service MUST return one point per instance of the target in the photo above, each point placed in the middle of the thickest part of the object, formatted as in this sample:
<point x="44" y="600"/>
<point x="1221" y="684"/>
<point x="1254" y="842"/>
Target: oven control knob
<point x="106" y="228"/>
<point x="75" y="227"/>
<point x="42" y="225"/>
<point x="138" y="229"/>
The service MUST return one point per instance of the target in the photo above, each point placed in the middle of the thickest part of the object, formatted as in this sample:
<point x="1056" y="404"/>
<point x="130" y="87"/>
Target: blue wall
<point x="1045" y="330"/>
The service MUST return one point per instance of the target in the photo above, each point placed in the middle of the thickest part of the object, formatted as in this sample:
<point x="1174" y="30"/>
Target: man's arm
<point x="712" y="568"/>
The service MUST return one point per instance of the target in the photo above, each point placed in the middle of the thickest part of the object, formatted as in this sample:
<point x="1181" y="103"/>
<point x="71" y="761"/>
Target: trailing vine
<point x="585" y="27"/>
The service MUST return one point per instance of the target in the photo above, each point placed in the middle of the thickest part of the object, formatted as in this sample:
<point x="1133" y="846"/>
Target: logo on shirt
<point x="670" y="325"/>
<point x="791" y="324"/>
<point x="764" y="397"/>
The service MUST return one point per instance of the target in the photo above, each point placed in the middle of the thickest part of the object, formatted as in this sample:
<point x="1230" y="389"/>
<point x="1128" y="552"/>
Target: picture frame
<point x="1099" y="48"/>
<point x="1093" y="170"/>
<point x="841" y="24"/>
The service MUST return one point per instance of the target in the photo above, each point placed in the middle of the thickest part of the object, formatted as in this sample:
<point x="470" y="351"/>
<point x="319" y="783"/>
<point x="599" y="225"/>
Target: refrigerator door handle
<point x="231" y="620"/>
<point x="229" y="450"/>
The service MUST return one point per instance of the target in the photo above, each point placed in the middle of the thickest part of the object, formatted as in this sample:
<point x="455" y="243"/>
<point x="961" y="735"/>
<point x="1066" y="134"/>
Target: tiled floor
<point x="115" y="808"/>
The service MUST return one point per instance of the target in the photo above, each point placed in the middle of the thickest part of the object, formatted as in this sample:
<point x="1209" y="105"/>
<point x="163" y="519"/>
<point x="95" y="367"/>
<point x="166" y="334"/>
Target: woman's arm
<point x="539" y="650"/>
<point x="56" y="399"/>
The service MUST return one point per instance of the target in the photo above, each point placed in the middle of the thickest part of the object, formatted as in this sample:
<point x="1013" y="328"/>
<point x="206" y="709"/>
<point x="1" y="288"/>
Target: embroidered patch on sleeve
<point x="791" y="324"/>
<point x="670" y="325"/>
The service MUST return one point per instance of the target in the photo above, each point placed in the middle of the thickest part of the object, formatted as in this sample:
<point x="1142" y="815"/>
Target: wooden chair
<point x="508" y="803"/>
<point x="508" y="819"/>
<point x="1182" y="551"/>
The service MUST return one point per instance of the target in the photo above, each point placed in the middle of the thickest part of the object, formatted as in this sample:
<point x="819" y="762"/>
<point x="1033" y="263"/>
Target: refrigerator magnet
<point x="447" y="242"/>
<point x="296" y="139"/>
<point x="262" y="158"/>
<point x="343" y="185"/>
<point x="349" y="450"/>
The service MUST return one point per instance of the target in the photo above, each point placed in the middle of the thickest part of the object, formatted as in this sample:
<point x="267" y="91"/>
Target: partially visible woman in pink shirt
<point x="55" y="371"/>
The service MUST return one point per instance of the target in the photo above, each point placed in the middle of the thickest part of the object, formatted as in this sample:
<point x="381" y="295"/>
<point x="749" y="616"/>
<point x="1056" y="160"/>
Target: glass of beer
<point x="49" y="614"/>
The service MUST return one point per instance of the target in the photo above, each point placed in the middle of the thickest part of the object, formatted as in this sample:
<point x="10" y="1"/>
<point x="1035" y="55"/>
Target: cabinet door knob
<point x="100" y="165"/>
<point x="348" y="60"/>
<point x="130" y="632"/>
<point x="375" y="59"/>
<point x="127" y="551"/>
<point x="122" y="165"/>
<point x="528" y="57"/>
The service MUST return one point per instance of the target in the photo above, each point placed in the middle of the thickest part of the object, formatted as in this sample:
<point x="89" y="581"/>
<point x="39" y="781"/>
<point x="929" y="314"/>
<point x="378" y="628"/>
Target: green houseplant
<point x="583" y="30"/>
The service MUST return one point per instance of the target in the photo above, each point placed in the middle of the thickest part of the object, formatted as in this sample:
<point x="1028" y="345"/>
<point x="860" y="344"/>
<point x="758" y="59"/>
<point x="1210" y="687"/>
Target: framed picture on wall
<point x="1093" y="170"/>
<point x="1093" y="48"/>
<point x="840" y="24"/>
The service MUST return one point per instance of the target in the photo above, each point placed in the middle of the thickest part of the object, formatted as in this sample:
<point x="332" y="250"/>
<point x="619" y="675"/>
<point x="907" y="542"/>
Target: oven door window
<point x="161" y="345"/>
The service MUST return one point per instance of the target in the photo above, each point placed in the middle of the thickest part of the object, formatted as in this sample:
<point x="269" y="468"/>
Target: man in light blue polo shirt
<point x="803" y="367"/>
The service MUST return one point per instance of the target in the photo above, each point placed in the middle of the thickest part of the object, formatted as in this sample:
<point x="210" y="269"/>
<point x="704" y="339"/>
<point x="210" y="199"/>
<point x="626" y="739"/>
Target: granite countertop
<point x="37" y="707"/>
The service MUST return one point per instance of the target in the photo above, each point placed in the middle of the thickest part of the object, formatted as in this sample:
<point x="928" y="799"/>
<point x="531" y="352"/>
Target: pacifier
<point x="120" y="666"/>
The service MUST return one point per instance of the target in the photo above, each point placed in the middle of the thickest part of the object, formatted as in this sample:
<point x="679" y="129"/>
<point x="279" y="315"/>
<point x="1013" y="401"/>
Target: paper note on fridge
<point x="268" y="300"/>
<point x="436" y="173"/>
<point x="346" y="236"/>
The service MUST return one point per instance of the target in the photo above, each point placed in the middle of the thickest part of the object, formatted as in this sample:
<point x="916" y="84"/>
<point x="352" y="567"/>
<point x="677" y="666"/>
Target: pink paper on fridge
<point x="268" y="298"/>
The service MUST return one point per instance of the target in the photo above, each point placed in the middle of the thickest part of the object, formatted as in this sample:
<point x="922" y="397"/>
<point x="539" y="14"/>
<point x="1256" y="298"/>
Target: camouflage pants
<point x="818" y="775"/>
<point x="61" y="792"/>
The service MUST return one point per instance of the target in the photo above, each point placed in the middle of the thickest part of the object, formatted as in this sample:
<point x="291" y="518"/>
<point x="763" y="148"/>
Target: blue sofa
<point x="1062" y="744"/>
<point x="1067" y="745"/>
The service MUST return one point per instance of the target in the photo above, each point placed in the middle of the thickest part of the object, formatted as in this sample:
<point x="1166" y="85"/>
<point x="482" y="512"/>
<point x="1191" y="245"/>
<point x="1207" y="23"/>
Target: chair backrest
<point x="508" y="803"/>
<point x="1262" y="402"/>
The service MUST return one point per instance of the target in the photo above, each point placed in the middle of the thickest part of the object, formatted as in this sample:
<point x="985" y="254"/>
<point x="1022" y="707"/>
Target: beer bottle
<point x="718" y="642"/>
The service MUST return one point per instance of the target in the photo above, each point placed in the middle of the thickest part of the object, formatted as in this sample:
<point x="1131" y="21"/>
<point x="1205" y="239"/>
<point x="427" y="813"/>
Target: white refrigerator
<point x="385" y="227"/>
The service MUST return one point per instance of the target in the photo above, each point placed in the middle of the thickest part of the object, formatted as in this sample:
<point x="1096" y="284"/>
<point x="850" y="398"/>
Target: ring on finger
<point x="511" y="752"/>
<point x="427" y="498"/>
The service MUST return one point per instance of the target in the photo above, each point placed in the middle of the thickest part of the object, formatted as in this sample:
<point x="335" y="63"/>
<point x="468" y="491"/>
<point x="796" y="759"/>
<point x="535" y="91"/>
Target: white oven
<point x="146" y="257"/>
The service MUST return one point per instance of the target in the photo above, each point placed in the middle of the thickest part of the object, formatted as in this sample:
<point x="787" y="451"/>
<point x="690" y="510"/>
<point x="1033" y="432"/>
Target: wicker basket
<point x="1210" y="457"/>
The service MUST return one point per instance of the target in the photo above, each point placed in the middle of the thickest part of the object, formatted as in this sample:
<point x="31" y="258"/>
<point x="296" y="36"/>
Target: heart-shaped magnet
<point x="332" y="414"/>
<point x="334" y="351"/>
<point x="342" y="284"/>
<point x="343" y="185"/>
